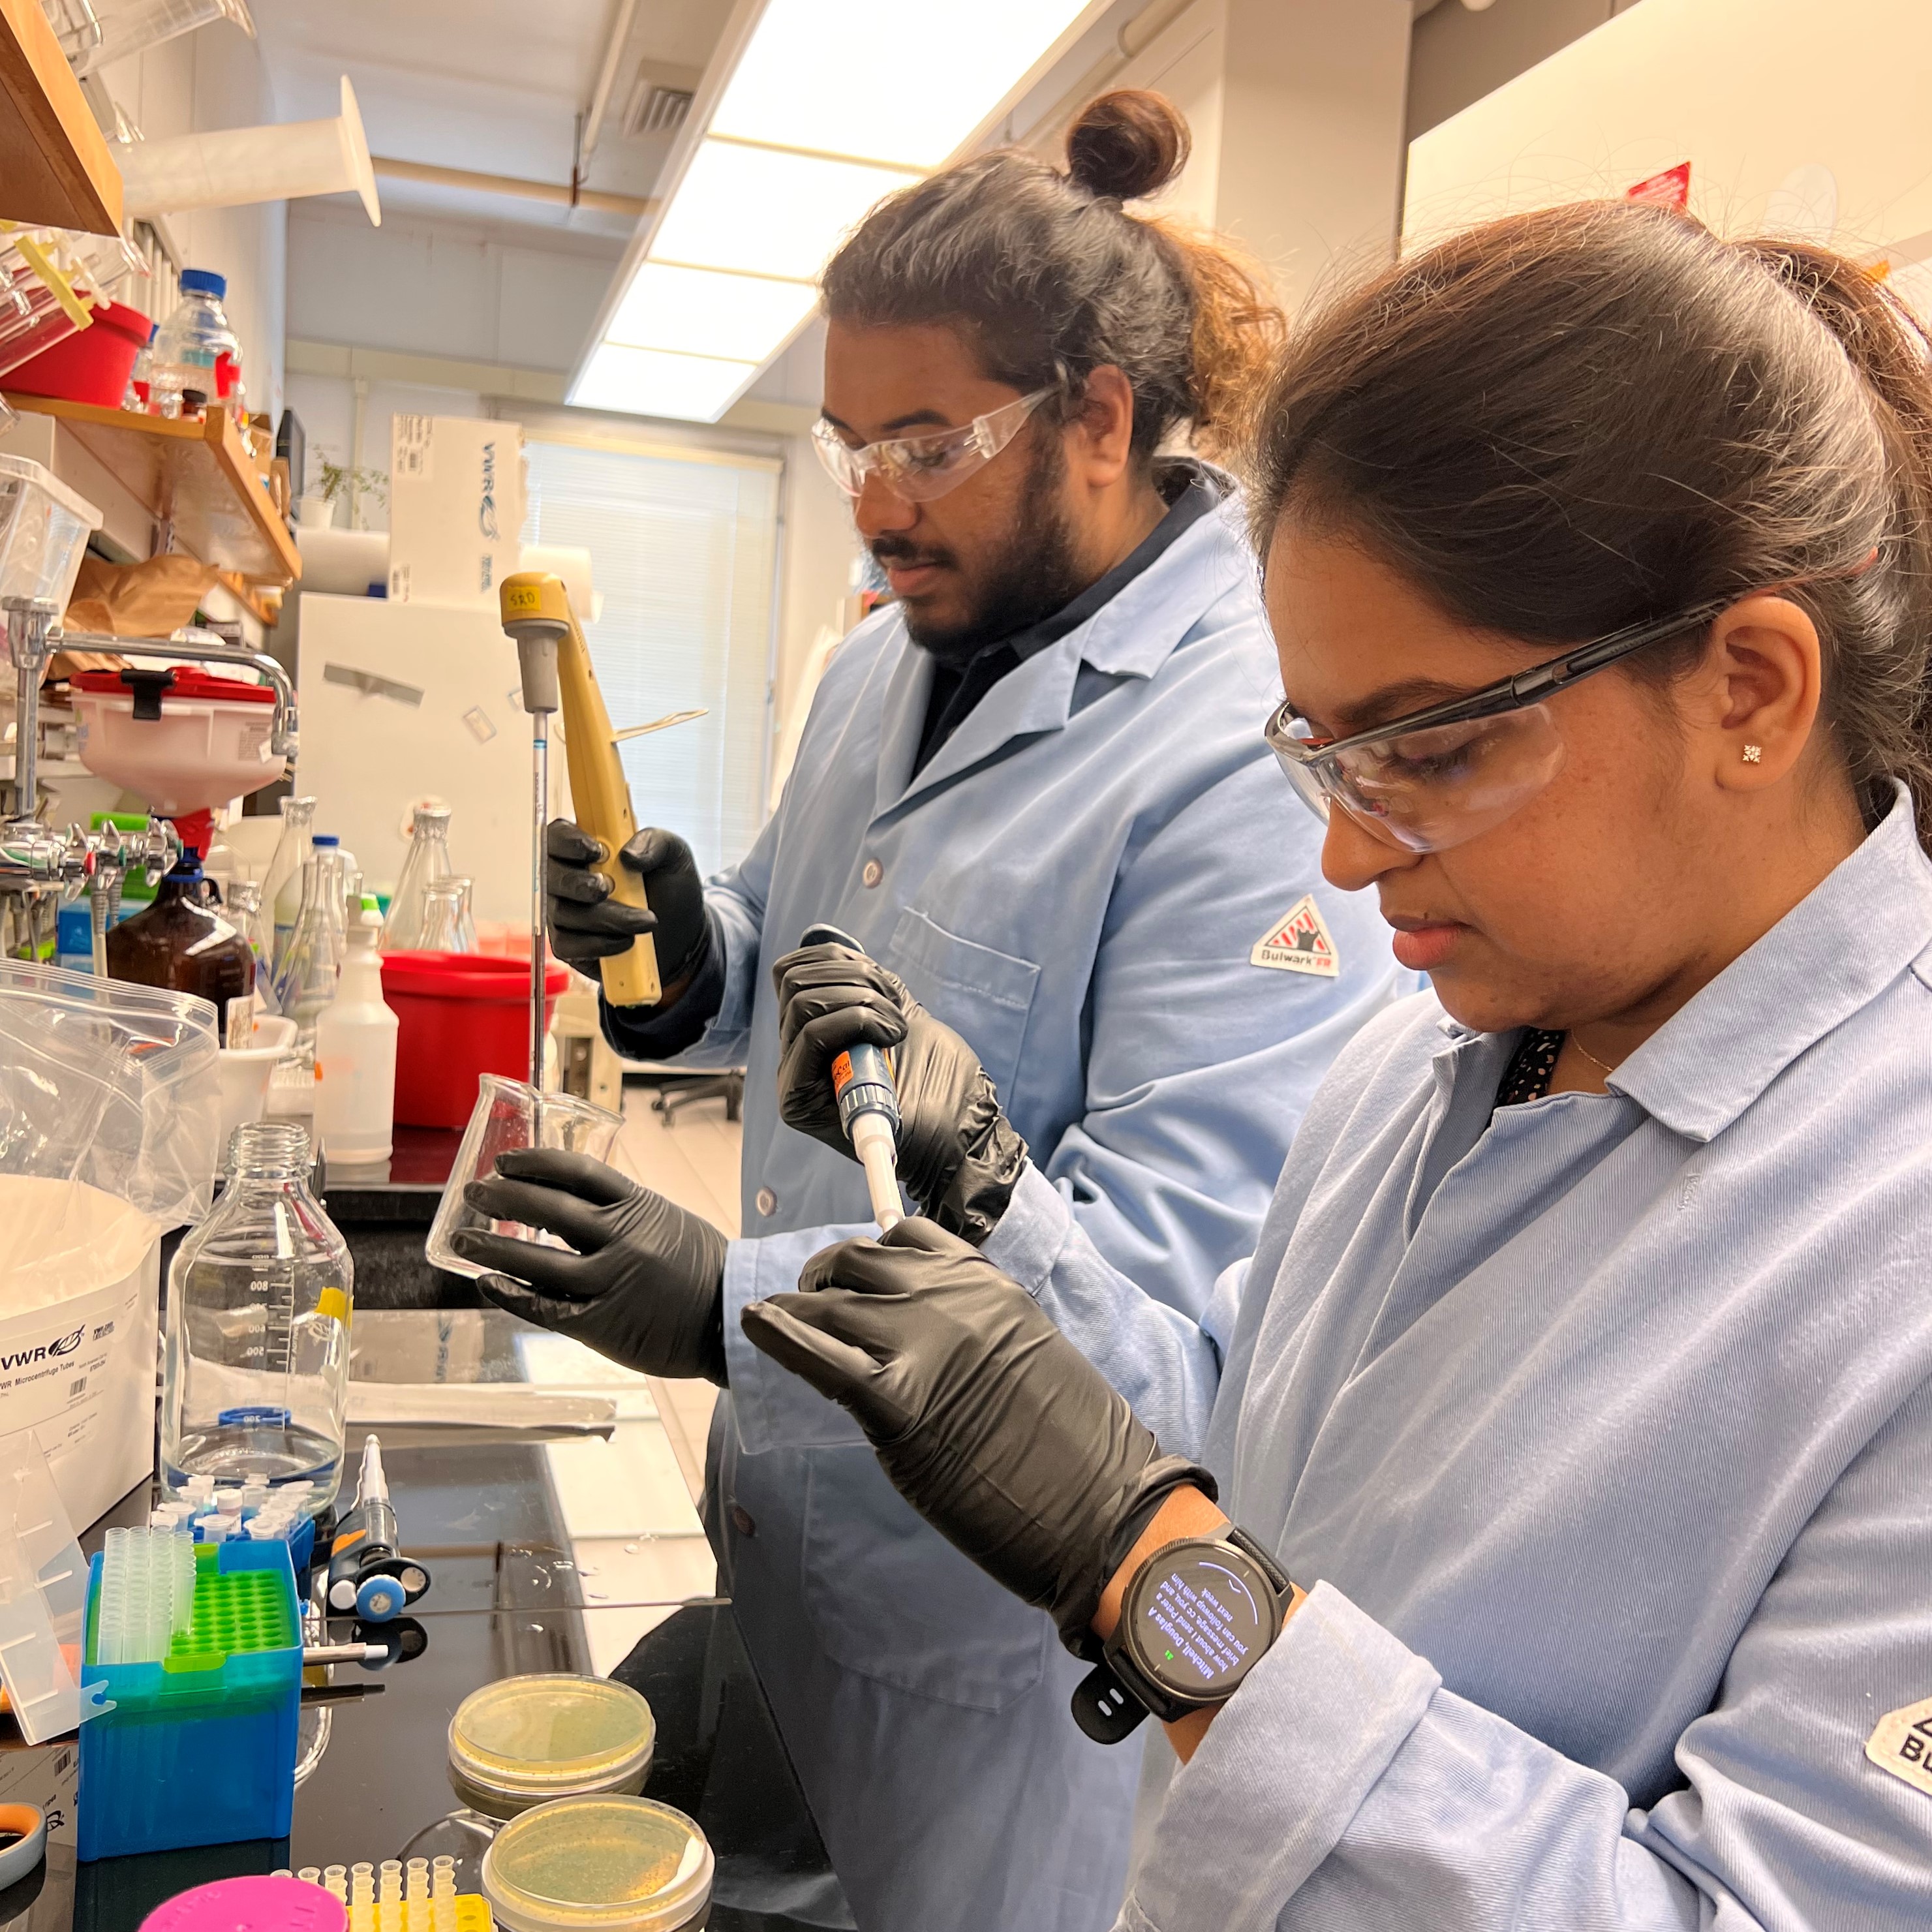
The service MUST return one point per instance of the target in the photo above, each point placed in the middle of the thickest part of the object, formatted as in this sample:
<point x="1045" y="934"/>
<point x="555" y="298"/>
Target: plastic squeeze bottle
<point x="355" y="1053"/>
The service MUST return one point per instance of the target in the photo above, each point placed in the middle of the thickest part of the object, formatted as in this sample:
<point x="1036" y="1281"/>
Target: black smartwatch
<point x="1199" y="1616"/>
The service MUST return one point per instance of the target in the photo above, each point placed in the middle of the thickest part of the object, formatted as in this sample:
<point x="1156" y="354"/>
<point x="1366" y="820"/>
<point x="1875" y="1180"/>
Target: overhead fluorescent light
<point x="654" y="383"/>
<point x="765" y="211"/>
<point x="830" y="105"/>
<point x="698" y="312"/>
<point x="883" y="80"/>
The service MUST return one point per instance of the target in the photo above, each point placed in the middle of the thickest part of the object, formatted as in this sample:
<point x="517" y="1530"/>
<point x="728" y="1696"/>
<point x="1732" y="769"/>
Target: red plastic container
<point x="92" y="365"/>
<point x="459" y="1015"/>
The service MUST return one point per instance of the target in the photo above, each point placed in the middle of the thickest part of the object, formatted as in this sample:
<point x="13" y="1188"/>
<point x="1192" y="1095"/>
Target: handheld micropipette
<point x="367" y="1572"/>
<point x="868" y="1103"/>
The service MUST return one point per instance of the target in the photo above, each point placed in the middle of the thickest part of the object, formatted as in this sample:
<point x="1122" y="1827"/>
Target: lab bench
<point x="511" y="1594"/>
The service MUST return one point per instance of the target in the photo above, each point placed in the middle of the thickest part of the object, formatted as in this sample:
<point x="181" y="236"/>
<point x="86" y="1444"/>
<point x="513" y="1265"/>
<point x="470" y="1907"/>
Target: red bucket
<point x="458" y="1015"/>
<point x="92" y="365"/>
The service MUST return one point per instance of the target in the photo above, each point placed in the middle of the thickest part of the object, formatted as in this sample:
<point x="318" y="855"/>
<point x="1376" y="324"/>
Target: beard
<point x="1031" y="570"/>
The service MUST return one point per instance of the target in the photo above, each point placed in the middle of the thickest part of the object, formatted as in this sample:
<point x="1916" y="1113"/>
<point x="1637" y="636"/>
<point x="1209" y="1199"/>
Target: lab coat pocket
<point x="983" y="995"/>
<point x="890" y="1599"/>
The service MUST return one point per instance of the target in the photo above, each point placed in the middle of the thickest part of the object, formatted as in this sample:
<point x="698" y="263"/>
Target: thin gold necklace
<point x="1602" y="1067"/>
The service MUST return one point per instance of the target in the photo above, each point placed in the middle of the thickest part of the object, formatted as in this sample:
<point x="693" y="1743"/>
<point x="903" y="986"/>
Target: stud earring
<point x="1753" y="754"/>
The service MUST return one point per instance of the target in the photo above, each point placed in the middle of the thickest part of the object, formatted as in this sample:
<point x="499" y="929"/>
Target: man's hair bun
<point x="1127" y="145"/>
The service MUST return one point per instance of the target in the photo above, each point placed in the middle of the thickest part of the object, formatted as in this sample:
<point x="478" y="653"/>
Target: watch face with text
<point x="1199" y="1617"/>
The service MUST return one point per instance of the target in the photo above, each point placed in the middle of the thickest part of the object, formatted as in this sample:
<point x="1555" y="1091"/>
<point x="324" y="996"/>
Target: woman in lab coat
<point x="1582" y="1378"/>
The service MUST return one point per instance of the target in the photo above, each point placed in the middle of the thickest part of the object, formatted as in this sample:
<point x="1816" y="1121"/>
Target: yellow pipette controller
<point x="537" y="614"/>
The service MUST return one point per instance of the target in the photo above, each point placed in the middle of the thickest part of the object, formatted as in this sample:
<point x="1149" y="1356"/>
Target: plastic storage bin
<point x="199" y="1750"/>
<point x="459" y="1016"/>
<point x="93" y="364"/>
<point x="44" y="527"/>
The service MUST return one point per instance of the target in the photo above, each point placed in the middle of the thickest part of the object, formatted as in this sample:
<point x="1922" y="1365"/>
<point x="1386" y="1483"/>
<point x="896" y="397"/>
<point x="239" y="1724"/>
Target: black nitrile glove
<point x="646" y="1286"/>
<point x="958" y="1155"/>
<point x="988" y="1420"/>
<point x="587" y="925"/>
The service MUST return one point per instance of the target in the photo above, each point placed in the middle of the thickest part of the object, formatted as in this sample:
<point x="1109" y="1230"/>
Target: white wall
<point x="1296" y="108"/>
<point x="213" y="79"/>
<point x="818" y="546"/>
<point x="1758" y="96"/>
<point x="326" y="405"/>
<point x="446" y="288"/>
<point x="1458" y="56"/>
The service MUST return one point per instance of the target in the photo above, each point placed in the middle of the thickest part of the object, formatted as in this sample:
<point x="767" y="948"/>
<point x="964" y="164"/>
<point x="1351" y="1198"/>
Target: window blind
<point x="682" y="552"/>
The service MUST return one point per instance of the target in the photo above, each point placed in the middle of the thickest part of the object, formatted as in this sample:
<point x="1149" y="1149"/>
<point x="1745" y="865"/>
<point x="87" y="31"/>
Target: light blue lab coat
<point x="1075" y="883"/>
<point x="1603" y="1433"/>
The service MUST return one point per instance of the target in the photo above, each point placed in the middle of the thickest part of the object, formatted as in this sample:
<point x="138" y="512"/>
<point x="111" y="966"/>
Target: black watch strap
<point x="1112" y="1702"/>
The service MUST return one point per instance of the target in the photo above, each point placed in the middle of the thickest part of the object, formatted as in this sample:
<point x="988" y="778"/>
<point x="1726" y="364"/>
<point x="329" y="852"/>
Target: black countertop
<point x="507" y="1599"/>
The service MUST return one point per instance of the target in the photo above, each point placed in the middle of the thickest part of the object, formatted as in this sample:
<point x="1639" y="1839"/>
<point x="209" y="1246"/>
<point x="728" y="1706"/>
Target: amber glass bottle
<point x="183" y="942"/>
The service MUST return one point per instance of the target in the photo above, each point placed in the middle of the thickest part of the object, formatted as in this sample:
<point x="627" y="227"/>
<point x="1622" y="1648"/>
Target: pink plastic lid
<point x="251" y="1905"/>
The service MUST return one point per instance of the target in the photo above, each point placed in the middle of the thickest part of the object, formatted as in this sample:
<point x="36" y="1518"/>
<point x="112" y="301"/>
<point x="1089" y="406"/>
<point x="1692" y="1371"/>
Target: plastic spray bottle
<point x="355" y="1053"/>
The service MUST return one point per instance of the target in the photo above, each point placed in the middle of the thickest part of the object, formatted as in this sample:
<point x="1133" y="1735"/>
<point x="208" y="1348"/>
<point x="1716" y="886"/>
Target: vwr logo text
<point x="486" y="511"/>
<point x="26" y="1358"/>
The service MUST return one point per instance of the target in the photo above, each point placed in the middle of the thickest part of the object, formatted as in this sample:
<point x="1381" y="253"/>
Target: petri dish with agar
<point x="525" y="1740"/>
<point x="599" y="1865"/>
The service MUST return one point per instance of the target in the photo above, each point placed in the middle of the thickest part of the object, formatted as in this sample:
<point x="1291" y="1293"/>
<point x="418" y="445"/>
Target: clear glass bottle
<point x="255" y="1376"/>
<point x="305" y="982"/>
<point x="428" y="859"/>
<point x="243" y="901"/>
<point x="282" y="883"/>
<point x="448" y="926"/>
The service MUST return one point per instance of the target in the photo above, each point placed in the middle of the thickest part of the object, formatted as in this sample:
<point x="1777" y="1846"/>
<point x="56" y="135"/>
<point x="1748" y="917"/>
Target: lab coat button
<point x="767" y="1202"/>
<point x="741" y="1520"/>
<point x="873" y="873"/>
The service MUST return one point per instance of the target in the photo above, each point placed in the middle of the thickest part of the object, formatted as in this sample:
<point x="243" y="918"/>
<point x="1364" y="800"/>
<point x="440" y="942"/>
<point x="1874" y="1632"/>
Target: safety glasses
<point x="918" y="468"/>
<point x="1441" y="775"/>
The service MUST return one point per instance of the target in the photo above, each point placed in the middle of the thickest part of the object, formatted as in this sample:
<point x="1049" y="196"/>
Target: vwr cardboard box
<point x="456" y="509"/>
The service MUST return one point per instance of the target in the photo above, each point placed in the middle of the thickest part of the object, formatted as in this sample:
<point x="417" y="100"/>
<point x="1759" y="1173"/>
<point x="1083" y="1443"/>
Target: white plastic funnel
<point x="239" y="165"/>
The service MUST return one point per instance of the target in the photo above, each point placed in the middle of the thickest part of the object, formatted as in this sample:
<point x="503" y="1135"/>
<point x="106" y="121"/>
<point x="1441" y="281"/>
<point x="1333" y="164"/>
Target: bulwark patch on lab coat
<point x="1301" y="943"/>
<point x="1902" y="1744"/>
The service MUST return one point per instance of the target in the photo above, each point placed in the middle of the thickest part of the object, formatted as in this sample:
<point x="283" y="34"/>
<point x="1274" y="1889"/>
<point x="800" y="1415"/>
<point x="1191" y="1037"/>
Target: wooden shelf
<point x="55" y="168"/>
<point x="193" y="473"/>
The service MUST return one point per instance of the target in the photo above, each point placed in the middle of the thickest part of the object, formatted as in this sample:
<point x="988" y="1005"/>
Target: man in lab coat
<point x="1035" y="789"/>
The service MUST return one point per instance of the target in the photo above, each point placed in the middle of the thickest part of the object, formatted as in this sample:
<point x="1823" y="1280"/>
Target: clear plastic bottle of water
<point x="257" y="1373"/>
<point x="195" y="349"/>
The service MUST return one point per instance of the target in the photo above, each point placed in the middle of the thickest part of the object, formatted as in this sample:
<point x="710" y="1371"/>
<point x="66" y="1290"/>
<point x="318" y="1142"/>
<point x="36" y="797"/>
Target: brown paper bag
<point x="153" y="599"/>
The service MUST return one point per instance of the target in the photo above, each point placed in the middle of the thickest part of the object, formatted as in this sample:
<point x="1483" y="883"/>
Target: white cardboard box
<point x="456" y="509"/>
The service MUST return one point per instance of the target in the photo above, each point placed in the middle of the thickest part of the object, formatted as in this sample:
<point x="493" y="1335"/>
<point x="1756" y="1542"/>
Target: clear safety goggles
<point x="918" y="468"/>
<point x="1441" y="775"/>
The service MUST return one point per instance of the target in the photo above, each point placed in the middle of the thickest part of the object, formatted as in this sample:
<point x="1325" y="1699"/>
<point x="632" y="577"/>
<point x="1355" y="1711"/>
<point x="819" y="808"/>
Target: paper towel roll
<point x="346" y="561"/>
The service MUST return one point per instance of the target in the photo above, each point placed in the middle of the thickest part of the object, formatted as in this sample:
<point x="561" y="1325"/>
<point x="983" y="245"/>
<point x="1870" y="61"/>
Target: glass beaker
<point x="282" y="883"/>
<point x="428" y="859"/>
<point x="448" y="926"/>
<point x="510" y="1114"/>
<point x="256" y="1378"/>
